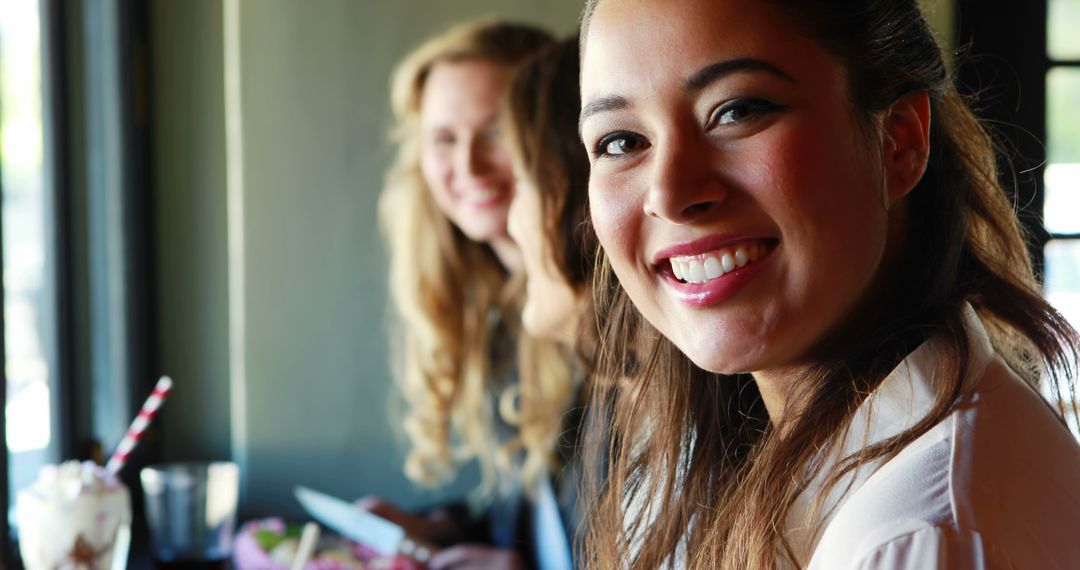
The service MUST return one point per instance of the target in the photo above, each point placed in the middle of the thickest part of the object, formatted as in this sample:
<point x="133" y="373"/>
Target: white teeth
<point x="697" y="271"/>
<point x="703" y="268"/>
<point x="482" y="194"/>
<point x="728" y="262"/>
<point x="741" y="259"/>
<point x="713" y="269"/>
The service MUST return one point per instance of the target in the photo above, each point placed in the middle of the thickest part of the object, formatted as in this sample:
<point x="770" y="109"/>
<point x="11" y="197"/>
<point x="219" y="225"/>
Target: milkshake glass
<point x="74" y="515"/>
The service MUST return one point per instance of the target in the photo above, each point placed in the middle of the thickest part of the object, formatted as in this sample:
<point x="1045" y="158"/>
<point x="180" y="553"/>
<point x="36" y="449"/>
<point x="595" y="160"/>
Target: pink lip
<point x="497" y="200"/>
<point x="715" y="291"/>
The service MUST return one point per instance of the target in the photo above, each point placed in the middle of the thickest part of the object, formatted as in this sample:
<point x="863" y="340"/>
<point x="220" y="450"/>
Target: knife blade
<point x="371" y="530"/>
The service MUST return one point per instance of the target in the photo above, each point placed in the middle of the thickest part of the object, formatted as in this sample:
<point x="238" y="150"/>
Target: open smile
<point x="705" y="272"/>
<point x="482" y="197"/>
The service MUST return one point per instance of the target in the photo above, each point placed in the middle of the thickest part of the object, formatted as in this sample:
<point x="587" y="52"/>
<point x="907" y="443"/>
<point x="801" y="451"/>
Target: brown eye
<point x="741" y="110"/>
<point x="620" y="144"/>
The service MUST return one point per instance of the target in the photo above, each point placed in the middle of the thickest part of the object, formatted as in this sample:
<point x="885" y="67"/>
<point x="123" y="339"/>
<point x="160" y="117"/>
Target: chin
<point x="530" y="321"/>
<point x="483" y="232"/>
<point x="717" y="367"/>
<point x="539" y="330"/>
<point x="735" y="358"/>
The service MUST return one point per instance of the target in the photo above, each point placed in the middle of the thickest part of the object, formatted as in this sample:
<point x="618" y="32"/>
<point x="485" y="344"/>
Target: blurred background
<point x="189" y="188"/>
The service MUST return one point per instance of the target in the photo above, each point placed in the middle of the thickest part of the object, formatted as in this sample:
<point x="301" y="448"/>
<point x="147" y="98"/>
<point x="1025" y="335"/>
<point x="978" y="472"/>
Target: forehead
<point x="638" y="45"/>
<point x="470" y="89"/>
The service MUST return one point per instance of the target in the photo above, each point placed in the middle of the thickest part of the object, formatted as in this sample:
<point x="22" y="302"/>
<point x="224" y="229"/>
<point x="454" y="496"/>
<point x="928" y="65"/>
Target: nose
<point x="473" y="157"/>
<point x="685" y="184"/>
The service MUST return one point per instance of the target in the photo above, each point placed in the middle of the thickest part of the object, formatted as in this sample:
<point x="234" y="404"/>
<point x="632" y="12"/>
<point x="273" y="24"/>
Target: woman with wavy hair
<point x="548" y="216"/>
<point x="820" y="297"/>
<point x="470" y="380"/>
<point x="548" y="220"/>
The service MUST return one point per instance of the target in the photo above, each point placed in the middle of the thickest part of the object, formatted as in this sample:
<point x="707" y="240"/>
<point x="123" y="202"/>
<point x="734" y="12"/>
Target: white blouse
<point x="995" y="484"/>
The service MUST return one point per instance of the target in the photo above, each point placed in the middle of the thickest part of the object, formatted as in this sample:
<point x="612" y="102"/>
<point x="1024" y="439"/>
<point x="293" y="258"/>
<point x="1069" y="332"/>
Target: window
<point x="28" y="285"/>
<point x="1025" y="66"/>
<point x="74" y="179"/>
<point x="1061" y="208"/>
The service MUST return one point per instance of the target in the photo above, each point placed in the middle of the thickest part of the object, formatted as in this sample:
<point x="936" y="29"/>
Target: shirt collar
<point x="903" y="398"/>
<point x="908" y="393"/>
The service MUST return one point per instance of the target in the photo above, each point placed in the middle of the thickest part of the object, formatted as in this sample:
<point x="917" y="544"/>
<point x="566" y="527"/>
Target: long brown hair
<point x="542" y="132"/>
<point x="540" y="127"/>
<point x="697" y="450"/>
<point x="450" y="292"/>
<point x="542" y="122"/>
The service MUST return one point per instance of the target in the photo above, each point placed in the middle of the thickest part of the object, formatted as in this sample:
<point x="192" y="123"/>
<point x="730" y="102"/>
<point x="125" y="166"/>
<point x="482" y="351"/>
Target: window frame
<point x="1050" y="64"/>
<point x="96" y="110"/>
<point x="1009" y="48"/>
<point x="1003" y="58"/>
<point x="51" y="46"/>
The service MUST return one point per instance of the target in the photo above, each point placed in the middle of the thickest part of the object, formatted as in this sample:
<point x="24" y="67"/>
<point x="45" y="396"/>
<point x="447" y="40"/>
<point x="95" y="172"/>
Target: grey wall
<point x="315" y="112"/>
<point x="189" y="182"/>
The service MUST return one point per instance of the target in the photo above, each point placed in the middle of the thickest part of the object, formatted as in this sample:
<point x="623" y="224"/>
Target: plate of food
<point x="273" y="544"/>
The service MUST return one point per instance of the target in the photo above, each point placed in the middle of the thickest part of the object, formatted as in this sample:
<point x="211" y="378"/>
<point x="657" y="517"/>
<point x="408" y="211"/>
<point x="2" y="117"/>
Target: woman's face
<point x="739" y="203"/>
<point x="551" y="303"/>
<point x="461" y="155"/>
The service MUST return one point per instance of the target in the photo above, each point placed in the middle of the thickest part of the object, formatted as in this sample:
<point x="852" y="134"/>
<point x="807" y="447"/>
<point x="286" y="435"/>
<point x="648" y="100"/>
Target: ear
<point x="907" y="143"/>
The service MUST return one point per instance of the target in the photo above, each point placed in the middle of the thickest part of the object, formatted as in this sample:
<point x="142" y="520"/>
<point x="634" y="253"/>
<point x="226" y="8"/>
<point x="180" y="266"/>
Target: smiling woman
<point x="443" y="212"/>
<point x="461" y="158"/>
<point x="476" y="387"/>
<point x="776" y="170"/>
<point x="793" y="196"/>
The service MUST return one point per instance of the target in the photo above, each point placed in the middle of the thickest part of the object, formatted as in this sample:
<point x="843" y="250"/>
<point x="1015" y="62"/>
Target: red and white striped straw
<point x="139" y="425"/>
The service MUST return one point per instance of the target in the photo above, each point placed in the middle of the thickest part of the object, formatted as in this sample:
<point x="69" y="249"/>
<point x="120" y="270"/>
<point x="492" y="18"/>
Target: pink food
<point x="333" y="553"/>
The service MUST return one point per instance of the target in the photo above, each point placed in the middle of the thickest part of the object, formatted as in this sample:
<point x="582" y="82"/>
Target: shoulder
<point x="933" y="547"/>
<point x="994" y="482"/>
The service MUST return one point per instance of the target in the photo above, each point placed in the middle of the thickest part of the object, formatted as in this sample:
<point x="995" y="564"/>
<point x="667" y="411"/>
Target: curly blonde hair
<point x="456" y="304"/>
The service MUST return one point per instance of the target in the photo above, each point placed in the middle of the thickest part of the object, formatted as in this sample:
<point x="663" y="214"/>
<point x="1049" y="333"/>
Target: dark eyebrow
<point x="609" y="103"/>
<point x="710" y="73"/>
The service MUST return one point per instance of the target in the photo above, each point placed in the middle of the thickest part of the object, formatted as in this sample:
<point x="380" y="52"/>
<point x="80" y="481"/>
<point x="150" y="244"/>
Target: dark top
<point x="508" y="520"/>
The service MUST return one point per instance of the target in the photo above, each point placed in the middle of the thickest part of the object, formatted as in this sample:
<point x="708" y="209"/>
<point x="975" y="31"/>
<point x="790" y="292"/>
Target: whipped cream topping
<point x="71" y="479"/>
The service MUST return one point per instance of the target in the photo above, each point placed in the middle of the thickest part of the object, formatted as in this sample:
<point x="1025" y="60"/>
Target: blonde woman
<point x="470" y="380"/>
<point x="821" y="297"/>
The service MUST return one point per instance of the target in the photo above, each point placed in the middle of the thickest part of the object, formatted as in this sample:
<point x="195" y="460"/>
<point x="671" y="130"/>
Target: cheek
<point x="830" y="208"/>
<point x="435" y="170"/>
<point x="529" y="240"/>
<point x="616" y="217"/>
<point x="551" y="287"/>
<point x="825" y="186"/>
<point x="502" y="164"/>
<point x="513" y="223"/>
<point x="523" y="220"/>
